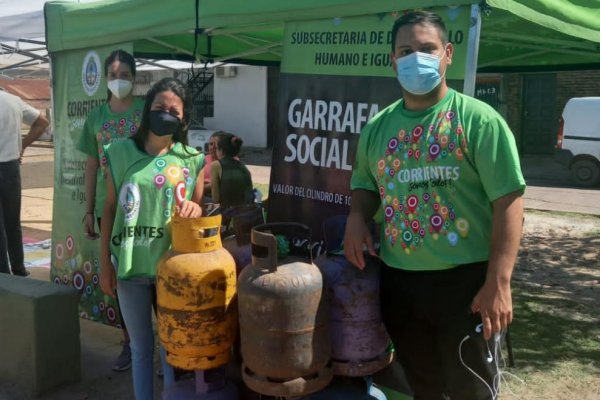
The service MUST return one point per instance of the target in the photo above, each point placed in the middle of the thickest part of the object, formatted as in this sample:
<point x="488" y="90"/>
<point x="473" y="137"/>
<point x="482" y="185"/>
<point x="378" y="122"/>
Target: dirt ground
<point x="560" y="252"/>
<point x="556" y="331"/>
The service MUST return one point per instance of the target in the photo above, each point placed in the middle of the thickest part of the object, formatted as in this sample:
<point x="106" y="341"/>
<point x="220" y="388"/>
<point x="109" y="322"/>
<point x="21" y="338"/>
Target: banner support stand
<point x="472" y="51"/>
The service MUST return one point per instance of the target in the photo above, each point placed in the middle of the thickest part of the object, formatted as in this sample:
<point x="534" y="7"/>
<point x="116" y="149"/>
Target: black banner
<point x="321" y="117"/>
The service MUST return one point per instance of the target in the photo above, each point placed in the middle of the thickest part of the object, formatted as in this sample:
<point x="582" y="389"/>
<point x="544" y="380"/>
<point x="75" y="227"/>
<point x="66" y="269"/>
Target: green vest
<point x="148" y="188"/>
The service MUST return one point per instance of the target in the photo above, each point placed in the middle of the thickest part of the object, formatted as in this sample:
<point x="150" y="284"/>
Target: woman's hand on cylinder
<point x="189" y="209"/>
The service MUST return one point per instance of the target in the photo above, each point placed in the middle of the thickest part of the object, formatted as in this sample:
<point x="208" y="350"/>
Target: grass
<point x="556" y="343"/>
<point x="556" y="297"/>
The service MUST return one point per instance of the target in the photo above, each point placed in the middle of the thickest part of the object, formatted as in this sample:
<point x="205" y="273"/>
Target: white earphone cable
<point x="500" y="363"/>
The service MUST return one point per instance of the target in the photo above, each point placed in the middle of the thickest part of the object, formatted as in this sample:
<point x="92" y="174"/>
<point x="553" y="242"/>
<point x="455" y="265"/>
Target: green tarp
<point x="515" y="33"/>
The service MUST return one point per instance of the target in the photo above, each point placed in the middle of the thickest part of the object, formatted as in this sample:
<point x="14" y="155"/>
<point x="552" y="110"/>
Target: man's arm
<point x="364" y="206"/>
<point x="35" y="131"/>
<point x="494" y="299"/>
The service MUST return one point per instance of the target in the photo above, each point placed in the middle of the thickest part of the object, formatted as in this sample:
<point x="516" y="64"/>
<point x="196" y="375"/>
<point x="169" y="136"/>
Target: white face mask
<point x="120" y="88"/>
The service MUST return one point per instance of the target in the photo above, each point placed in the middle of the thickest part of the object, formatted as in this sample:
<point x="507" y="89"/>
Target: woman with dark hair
<point x="210" y="157"/>
<point x="151" y="177"/>
<point x="116" y="119"/>
<point x="231" y="182"/>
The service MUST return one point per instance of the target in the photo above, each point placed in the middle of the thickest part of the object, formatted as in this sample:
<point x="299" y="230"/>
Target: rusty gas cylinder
<point x="284" y="320"/>
<point x="196" y="296"/>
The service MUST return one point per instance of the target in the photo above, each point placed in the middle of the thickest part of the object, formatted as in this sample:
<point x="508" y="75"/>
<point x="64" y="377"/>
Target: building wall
<point x="511" y="102"/>
<point x="568" y="84"/>
<point x="35" y="92"/>
<point x="576" y="84"/>
<point x="144" y="80"/>
<point x="240" y="105"/>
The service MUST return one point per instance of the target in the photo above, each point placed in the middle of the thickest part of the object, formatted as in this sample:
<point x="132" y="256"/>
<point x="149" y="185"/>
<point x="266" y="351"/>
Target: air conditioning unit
<point x="225" y="71"/>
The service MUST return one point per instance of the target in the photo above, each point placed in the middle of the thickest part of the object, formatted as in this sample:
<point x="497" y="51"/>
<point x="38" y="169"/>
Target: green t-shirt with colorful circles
<point x="102" y="126"/>
<point x="437" y="172"/>
<point x="148" y="188"/>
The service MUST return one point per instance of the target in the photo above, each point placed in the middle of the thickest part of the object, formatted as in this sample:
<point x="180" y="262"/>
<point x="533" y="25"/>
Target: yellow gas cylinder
<point x="196" y="295"/>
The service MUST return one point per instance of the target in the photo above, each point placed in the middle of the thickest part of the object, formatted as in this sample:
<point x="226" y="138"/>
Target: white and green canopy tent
<point x="503" y="35"/>
<point x="515" y="34"/>
<point x="22" y="34"/>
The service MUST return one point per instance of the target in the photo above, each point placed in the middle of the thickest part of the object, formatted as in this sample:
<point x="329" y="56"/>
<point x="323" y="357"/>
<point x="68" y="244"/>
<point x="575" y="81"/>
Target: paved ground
<point x="549" y="186"/>
<point x="549" y="189"/>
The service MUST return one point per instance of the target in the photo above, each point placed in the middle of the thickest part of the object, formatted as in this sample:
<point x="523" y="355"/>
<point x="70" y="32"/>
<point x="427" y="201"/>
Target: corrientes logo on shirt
<point x="91" y="73"/>
<point x="129" y="201"/>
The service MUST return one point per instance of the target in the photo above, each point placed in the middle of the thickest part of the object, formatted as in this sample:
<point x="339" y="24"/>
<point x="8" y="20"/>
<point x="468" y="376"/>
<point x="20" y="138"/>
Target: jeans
<point x="11" y="236"/>
<point x="136" y="299"/>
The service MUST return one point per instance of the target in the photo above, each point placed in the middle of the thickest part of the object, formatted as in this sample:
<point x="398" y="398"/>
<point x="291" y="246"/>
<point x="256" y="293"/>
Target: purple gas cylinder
<point x="359" y="340"/>
<point x="206" y="385"/>
<point x="242" y="254"/>
<point x="243" y="219"/>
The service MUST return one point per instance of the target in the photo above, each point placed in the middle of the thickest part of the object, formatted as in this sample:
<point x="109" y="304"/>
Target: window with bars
<point x="201" y="88"/>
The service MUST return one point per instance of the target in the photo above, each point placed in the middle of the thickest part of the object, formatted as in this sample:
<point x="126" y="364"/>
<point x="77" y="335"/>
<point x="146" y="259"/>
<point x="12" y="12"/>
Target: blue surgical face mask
<point x="162" y="123"/>
<point x="418" y="73"/>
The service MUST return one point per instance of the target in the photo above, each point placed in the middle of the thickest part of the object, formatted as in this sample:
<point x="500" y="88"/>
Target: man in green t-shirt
<point x="444" y="171"/>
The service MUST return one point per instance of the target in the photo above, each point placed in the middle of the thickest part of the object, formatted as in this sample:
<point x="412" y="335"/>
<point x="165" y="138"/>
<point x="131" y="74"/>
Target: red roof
<point x="28" y="89"/>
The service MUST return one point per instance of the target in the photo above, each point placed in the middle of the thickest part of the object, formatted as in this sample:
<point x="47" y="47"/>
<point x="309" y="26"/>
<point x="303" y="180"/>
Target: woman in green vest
<point x="151" y="177"/>
<point x="117" y="119"/>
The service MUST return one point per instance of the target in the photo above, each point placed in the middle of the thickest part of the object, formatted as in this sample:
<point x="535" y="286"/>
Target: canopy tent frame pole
<point x="26" y="53"/>
<point x="258" y="50"/>
<point x="170" y="46"/>
<point x="236" y="31"/>
<point x="26" y="63"/>
<point x="516" y="40"/>
<point x="32" y="41"/>
<point x="558" y="50"/>
<point x="472" y="51"/>
<point x="143" y="61"/>
<point x="17" y="50"/>
<point x="251" y="43"/>
<point x="519" y="57"/>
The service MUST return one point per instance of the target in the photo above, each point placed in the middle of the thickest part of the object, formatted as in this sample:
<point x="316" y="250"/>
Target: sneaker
<point x="123" y="362"/>
<point x="21" y="272"/>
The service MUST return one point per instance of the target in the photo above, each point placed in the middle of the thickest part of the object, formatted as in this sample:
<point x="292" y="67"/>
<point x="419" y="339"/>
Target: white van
<point x="578" y="141"/>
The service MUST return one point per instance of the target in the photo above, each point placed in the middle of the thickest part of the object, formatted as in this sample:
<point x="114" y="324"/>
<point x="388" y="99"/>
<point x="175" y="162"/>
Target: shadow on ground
<point x="556" y="299"/>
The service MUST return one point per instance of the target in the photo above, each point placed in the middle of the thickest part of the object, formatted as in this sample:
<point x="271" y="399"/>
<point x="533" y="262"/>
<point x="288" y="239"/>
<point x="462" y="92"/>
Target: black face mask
<point x="162" y="123"/>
